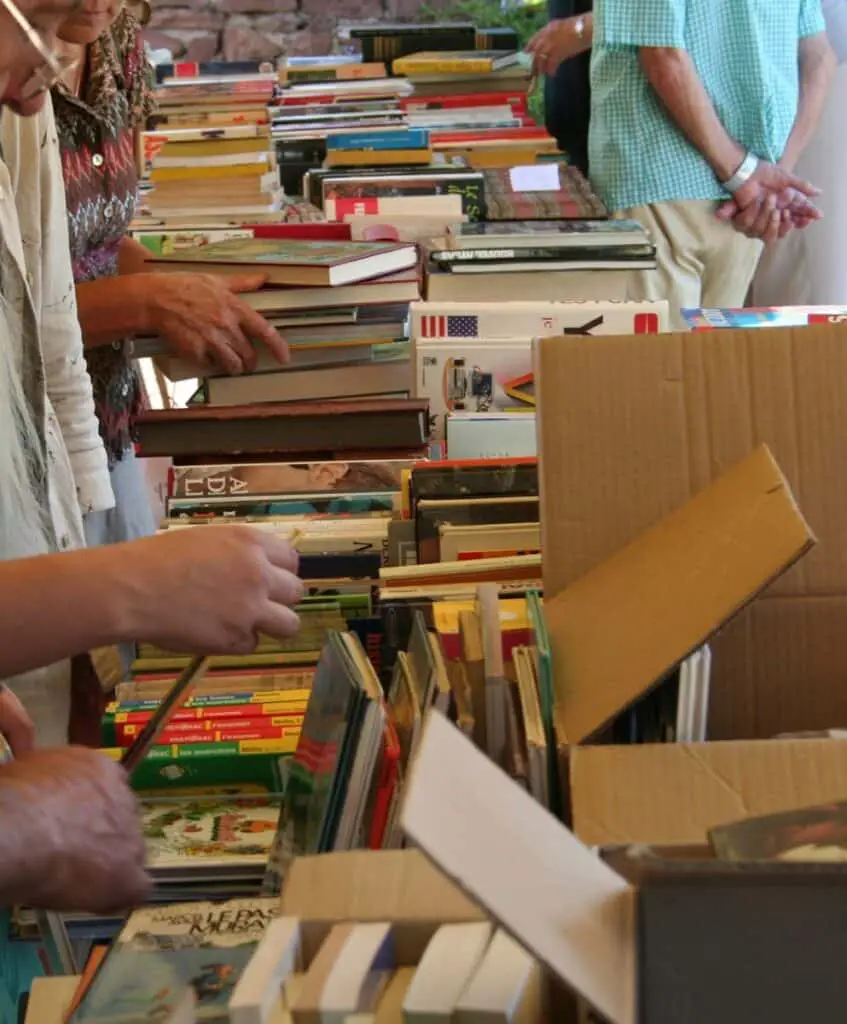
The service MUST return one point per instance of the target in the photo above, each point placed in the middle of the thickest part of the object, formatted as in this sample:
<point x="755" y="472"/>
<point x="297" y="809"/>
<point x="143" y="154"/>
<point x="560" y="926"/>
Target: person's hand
<point x="16" y="726"/>
<point x="554" y="44"/>
<point x="772" y="216"/>
<point x="202" y="320"/>
<point x="71" y="833"/>
<point x="211" y="590"/>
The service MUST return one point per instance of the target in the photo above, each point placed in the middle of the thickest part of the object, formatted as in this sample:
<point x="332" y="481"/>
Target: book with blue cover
<point x="409" y="138"/>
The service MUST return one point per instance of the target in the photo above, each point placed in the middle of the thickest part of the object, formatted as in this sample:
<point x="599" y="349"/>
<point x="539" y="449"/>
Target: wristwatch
<point x="744" y="173"/>
<point x="579" y="27"/>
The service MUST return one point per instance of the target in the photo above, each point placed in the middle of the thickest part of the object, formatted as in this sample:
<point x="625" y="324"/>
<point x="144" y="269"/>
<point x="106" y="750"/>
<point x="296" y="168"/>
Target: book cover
<point x="252" y="479"/>
<point x="473" y="377"/>
<point x="412" y="138"/>
<point x="160" y="952"/>
<point x="762" y="316"/>
<point x="491" y="435"/>
<point x="457" y="62"/>
<point x="209" y="834"/>
<point x="446" y="321"/>
<point x="534" y="233"/>
<point x="811" y="834"/>
<point x="299" y="261"/>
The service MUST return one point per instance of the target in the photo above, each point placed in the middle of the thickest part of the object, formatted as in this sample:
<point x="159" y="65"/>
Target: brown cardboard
<point x="673" y="940"/>
<point x="380" y="885"/>
<point x="621" y="627"/>
<point x="642" y="423"/>
<point x="672" y="794"/>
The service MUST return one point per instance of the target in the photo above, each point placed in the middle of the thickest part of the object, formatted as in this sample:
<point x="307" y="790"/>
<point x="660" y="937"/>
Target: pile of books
<point x="211" y="149"/>
<point x="341" y="305"/>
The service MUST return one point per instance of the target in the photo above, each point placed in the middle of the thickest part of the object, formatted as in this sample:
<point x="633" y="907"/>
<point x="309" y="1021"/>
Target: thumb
<point x="802" y="186"/>
<point x="246" y="282"/>
<point x="727" y="210"/>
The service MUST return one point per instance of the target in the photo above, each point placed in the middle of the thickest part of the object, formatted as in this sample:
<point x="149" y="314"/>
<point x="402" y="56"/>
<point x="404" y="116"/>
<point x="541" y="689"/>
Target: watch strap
<point x="744" y="173"/>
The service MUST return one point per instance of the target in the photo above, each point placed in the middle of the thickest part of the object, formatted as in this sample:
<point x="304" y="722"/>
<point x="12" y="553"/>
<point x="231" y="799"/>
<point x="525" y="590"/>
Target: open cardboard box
<point x="619" y="629"/>
<point x="631" y="427"/>
<point x="645" y="936"/>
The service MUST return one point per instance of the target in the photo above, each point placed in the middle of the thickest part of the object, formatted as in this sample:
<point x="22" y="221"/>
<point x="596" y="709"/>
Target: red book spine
<point x="516" y="100"/>
<point x="226" y="734"/>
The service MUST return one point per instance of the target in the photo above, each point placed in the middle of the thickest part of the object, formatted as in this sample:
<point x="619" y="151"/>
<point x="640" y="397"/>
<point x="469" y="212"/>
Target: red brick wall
<point x="261" y="29"/>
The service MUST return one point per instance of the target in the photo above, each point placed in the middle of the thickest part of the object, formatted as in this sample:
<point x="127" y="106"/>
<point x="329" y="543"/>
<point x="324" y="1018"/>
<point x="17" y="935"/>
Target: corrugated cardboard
<point x="380" y="885"/>
<point x="671" y="942"/>
<point x="672" y="794"/>
<point x="620" y="628"/>
<point x="643" y="423"/>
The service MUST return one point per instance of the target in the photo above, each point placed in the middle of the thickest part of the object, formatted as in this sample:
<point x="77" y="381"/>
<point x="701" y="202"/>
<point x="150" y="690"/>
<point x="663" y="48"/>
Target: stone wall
<point x="199" y="30"/>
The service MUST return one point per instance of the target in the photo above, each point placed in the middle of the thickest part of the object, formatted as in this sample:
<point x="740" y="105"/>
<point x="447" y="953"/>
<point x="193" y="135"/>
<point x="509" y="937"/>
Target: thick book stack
<point x="342" y="305"/>
<point x="211" y="148"/>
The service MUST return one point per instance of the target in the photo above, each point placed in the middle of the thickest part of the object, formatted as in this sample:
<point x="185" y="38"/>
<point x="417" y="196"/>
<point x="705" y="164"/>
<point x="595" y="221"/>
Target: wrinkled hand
<point x="553" y="45"/>
<point x="203" y="320"/>
<point x="16" y="726"/>
<point x="212" y="590"/>
<point x="75" y="812"/>
<point x="771" y="204"/>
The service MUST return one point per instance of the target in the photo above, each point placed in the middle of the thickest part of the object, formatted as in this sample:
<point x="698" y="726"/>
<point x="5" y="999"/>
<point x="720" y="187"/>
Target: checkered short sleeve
<point x="811" y="18"/>
<point x="641" y="22"/>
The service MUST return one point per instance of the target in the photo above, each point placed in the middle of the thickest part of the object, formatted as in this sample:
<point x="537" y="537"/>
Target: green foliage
<point x="525" y="18"/>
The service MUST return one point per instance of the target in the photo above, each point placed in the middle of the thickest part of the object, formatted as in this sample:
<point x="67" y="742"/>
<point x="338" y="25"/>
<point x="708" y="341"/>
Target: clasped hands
<point x="771" y="204"/>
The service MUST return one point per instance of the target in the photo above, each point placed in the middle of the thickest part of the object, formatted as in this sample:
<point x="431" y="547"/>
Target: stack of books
<point x="345" y="303"/>
<point x="386" y="148"/>
<point x="211" y="148"/>
<point x="473" y="362"/>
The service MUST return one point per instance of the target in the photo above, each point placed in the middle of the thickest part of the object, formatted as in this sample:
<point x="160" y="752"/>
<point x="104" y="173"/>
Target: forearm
<point x="674" y="78"/>
<point x="133" y="257"/>
<point x="113" y="308"/>
<point x="55" y="606"/>
<point x="817" y="66"/>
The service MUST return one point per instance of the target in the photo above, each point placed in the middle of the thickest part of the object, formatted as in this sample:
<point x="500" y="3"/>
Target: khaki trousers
<point x="701" y="262"/>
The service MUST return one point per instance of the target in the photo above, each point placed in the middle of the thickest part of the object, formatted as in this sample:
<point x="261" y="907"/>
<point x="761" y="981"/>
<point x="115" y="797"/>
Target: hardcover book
<point x="296" y="261"/>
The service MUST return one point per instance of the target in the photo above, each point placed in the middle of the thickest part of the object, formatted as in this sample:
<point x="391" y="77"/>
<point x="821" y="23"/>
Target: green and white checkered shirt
<point x="746" y="54"/>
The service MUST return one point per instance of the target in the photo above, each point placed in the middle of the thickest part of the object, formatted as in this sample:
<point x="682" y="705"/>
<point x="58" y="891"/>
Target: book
<point x="506" y="988"/>
<point x="491" y="435"/>
<point x="447" y="966"/>
<point x="770" y="316"/>
<point x="259" y="990"/>
<point x="162" y="952"/>
<point x="407" y="139"/>
<point x="469" y="62"/>
<point x="297" y="262"/>
<point x="292" y="427"/>
<point x="209" y="833"/>
<point x="445" y="321"/>
<point x="809" y="834"/>
<point x="531" y="234"/>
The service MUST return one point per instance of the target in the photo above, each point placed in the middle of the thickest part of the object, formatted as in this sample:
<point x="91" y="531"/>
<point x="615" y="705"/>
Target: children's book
<point x="296" y="261"/>
<point x="170" y="960"/>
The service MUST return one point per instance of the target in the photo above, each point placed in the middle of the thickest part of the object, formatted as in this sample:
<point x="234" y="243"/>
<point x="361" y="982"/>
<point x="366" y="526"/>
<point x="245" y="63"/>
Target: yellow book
<point x="379" y="157"/>
<point x="215" y="147"/>
<point x="464" y="62"/>
<point x="191" y="174"/>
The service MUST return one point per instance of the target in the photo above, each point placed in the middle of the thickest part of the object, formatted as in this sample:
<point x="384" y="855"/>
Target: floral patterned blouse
<point x="97" y="134"/>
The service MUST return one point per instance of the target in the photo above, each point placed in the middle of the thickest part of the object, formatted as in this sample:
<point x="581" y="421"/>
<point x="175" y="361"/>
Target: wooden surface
<point x="49" y="999"/>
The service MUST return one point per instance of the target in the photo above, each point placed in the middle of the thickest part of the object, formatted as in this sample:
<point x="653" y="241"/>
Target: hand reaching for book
<point x="16" y="727"/>
<point x="213" y="590"/>
<point x="70" y="836"/>
<point x="203" y="320"/>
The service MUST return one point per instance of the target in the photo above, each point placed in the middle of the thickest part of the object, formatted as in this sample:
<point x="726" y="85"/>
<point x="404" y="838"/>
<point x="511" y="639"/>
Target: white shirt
<point x="32" y="200"/>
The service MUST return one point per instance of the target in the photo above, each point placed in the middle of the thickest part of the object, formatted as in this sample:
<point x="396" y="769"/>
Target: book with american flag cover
<point x="448" y="321"/>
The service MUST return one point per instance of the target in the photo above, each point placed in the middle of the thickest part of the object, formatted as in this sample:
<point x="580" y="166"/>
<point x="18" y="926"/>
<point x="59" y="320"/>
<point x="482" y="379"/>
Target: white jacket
<point x="33" y="227"/>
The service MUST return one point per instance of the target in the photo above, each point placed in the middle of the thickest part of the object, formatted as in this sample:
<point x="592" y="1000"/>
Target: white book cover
<point x="505" y="988"/>
<point x="491" y="435"/>
<point x="258" y="992"/>
<point x="449" y="321"/>
<point x="475" y="376"/>
<point x="448" y="964"/>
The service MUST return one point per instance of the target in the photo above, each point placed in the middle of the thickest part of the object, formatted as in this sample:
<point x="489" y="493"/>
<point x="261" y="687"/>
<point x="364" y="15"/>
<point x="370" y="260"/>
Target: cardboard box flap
<point x="623" y="626"/>
<point x="673" y="793"/>
<point x="560" y="901"/>
<point x="383" y="885"/>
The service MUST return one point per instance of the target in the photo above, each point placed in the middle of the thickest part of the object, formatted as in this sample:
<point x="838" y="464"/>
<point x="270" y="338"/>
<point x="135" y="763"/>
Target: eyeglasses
<point x="53" y="65"/>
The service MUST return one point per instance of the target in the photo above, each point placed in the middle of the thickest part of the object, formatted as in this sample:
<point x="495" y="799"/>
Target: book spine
<point x="287" y="734"/>
<point x="409" y="67"/>
<point x="206" y="702"/>
<point x="517" y="101"/>
<point x="123" y="726"/>
<point x="414" y="138"/>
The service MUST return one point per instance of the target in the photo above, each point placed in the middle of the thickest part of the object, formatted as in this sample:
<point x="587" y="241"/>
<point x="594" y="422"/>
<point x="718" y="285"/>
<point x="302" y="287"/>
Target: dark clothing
<point x="567" y="94"/>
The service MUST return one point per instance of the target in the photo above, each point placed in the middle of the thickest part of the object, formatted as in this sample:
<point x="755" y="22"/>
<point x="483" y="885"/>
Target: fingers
<point x="15" y="724"/>
<point x="245" y="282"/>
<point x="765" y="222"/>
<point x="805" y="187"/>
<point x="222" y="351"/>
<point x="256" y="327"/>
<point x="279" y="622"/>
<point x="278" y="551"/>
<point x="727" y="210"/>
<point x="285" y="588"/>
